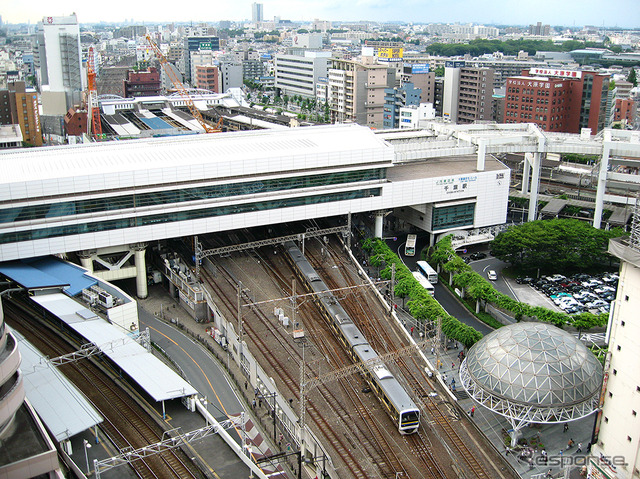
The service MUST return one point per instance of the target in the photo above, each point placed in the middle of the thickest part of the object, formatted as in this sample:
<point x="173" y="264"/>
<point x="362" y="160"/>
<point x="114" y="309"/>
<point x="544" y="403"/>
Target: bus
<point x="424" y="283"/>
<point x="427" y="271"/>
<point x="410" y="245"/>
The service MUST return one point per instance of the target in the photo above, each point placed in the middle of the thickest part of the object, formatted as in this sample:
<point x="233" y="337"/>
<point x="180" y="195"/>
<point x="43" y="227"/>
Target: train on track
<point x="389" y="391"/>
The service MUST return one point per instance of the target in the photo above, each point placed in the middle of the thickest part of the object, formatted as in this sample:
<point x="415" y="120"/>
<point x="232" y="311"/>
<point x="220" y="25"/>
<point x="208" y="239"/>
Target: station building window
<point x="136" y="221"/>
<point x="453" y="216"/>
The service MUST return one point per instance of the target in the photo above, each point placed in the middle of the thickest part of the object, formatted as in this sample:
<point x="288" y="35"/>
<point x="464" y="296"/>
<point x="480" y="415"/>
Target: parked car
<point x="492" y="275"/>
<point x="525" y="280"/>
<point x="478" y="255"/>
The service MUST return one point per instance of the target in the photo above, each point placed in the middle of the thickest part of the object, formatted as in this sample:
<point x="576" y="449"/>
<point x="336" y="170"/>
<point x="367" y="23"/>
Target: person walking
<point x="473" y="410"/>
<point x="579" y="449"/>
<point x="565" y="428"/>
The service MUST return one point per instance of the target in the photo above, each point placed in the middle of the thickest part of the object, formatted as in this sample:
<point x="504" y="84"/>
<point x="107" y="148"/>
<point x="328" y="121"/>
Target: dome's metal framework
<point x="532" y="372"/>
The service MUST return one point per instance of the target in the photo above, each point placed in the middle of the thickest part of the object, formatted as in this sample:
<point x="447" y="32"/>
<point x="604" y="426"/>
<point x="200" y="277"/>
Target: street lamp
<point x="86" y="456"/>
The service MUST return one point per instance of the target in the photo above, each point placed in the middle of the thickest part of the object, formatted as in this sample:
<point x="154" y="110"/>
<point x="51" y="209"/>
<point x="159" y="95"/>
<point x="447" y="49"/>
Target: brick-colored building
<point x="75" y="122"/>
<point x="207" y="77"/>
<point x="626" y="110"/>
<point x="146" y="83"/>
<point x="562" y="100"/>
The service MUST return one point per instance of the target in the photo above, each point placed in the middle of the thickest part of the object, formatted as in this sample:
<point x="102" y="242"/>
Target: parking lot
<point x="577" y="293"/>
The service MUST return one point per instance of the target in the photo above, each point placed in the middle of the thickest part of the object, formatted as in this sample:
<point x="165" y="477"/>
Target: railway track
<point x="290" y="380"/>
<point x="126" y="424"/>
<point x="414" y="374"/>
<point x="426" y="457"/>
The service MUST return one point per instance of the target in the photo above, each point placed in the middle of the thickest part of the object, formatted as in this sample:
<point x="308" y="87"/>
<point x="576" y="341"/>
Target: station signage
<point x="555" y="73"/>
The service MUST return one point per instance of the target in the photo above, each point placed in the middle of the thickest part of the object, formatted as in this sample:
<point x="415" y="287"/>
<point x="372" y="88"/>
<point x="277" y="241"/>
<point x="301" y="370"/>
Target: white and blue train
<point x="391" y="394"/>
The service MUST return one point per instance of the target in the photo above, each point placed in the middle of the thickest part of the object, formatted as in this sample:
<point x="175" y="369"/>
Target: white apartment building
<point x="411" y="116"/>
<point x="58" y="60"/>
<point x="297" y="73"/>
<point x="356" y="90"/>
<point x="618" y="427"/>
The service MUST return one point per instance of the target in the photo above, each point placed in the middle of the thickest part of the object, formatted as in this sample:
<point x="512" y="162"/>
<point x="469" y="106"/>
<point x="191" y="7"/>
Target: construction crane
<point x="94" y="126"/>
<point x="181" y="89"/>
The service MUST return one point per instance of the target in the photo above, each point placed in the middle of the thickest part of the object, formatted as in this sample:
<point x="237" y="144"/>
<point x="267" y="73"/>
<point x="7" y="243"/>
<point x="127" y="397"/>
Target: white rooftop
<point x="101" y="166"/>
<point x="151" y="374"/>
<point x="62" y="407"/>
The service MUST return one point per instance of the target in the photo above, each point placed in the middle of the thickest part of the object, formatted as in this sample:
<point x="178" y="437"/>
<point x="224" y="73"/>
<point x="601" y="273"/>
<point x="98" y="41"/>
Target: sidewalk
<point x="258" y="419"/>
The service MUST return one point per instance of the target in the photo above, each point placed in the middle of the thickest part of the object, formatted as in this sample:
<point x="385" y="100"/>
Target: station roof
<point x="47" y="272"/>
<point x="100" y="166"/>
<point x="151" y="374"/>
<point x="62" y="407"/>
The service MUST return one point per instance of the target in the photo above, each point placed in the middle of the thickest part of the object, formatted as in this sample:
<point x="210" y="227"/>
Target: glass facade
<point x="453" y="216"/>
<point x="134" y="222"/>
<point x="111" y="204"/>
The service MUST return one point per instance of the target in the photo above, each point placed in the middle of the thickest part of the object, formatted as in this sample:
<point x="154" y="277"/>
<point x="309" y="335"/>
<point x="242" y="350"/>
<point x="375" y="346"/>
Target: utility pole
<point x="302" y="400"/>
<point x="294" y="305"/>
<point x="239" y="324"/>
<point x="392" y="287"/>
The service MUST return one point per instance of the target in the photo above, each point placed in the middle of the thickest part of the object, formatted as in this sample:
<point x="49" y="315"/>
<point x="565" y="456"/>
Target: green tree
<point x="559" y="245"/>
<point x="632" y="77"/>
<point x="612" y="84"/>
<point x="439" y="72"/>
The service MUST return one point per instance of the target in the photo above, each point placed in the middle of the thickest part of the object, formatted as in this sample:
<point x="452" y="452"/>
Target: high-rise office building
<point x="356" y="90"/>
<point x="58" y="61"/>
<point x="298" y="72"/>
<point x="257" y="14"/>
<point x="558" y="100"/>
<point x="468" y="93"/>
<point x="19" y="105"/>
<point x="196" y="44"/>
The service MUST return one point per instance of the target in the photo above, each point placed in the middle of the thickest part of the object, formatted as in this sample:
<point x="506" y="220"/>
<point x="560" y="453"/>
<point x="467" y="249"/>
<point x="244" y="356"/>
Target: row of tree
<point x="421" y="304"/>
<point x="509" y="47"/>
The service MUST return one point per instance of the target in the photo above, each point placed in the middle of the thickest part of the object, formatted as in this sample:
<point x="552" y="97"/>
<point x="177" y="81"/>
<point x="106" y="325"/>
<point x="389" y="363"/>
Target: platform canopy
<point x="151" y="374"/>
<point x="48" y="272"/>
<point x="62" y="407"/>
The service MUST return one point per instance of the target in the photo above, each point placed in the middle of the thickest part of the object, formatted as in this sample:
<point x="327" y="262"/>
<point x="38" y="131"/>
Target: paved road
<point x="201" y="371"/>
<point x="446" y="299"/>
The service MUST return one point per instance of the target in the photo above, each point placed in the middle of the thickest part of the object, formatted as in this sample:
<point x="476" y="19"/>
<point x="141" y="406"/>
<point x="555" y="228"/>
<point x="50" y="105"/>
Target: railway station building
<point x="107" y="199"/>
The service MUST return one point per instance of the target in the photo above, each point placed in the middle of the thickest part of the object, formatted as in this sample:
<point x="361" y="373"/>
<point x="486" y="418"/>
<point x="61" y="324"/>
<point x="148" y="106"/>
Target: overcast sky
<point x="621" y="13"/>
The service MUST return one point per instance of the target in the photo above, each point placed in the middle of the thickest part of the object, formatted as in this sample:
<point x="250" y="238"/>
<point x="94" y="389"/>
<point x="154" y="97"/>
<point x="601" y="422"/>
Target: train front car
<point x="390" y="392"/>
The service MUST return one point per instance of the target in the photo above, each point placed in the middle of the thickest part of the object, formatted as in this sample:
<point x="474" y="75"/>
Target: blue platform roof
<point x="156" y="123"/>
<point x="47" y="272"/>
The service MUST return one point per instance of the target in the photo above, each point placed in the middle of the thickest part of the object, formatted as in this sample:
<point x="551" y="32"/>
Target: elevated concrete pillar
<point x="602" y="180"/>
<point x="379" y="222"/>
<point x="482" y="154"/>
<point x="86" y="260"/>
<point x="141" y="270"/>
<point x="526" y="169"/>
<point x="535" y="186"/>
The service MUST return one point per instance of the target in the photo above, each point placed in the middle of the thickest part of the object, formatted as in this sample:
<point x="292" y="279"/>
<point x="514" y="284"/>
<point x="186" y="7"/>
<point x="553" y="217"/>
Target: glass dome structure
<point x="533" y="372"/>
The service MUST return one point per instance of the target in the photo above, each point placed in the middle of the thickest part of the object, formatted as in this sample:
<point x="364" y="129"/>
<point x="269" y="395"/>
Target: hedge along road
<point x="447" y="300"/>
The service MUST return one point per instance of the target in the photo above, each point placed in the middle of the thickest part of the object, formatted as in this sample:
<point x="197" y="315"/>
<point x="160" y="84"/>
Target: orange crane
<point x="181" y="89"/>
<point x="94" y="125"/>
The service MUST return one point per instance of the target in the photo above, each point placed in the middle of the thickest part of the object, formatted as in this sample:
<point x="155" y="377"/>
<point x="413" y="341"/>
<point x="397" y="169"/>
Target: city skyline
<point x="626" y="13"/>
